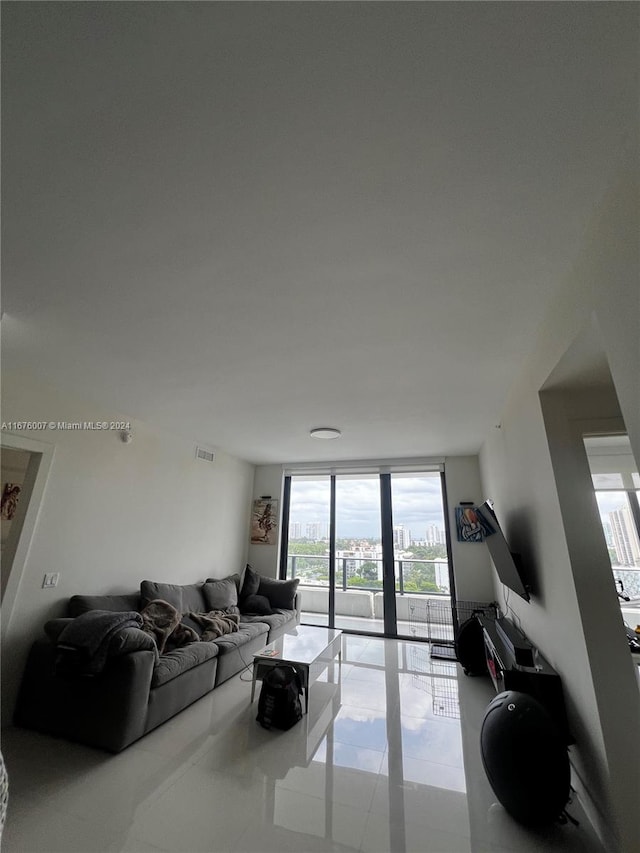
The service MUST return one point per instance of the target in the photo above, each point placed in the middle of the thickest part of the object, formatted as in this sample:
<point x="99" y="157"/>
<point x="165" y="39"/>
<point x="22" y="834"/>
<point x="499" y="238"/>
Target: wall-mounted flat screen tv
<point x="507" y="564"/>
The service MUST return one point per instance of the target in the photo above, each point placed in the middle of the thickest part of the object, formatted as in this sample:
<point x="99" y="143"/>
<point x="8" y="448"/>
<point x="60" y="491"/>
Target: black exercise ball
<point x="525" y="758"/>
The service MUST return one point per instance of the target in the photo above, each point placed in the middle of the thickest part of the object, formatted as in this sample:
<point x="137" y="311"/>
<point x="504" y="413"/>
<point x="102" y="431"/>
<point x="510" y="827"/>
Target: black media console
<point x="515" y="664"/>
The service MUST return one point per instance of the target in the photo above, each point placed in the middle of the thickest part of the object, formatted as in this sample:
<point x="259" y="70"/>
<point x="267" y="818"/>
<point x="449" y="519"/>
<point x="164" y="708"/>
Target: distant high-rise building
<point x="295" y="530"/>
<point x="435" y="535"/>
<point x="608" y="533"/>
<point x="317" y="530"/>
<point x="312" y="530"/>
<point x="352" y="560"/>
<point x="442" y="575"/>
<point x="625" y="541"/>
<point x="401" y="537"/>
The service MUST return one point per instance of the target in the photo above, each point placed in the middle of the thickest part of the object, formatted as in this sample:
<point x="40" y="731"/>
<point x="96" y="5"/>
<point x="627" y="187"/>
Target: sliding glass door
<point x="358" y="557"/>
<point x="308" y="550"/>
<point x="421" y="559"/>
<point x="370" y="550"/>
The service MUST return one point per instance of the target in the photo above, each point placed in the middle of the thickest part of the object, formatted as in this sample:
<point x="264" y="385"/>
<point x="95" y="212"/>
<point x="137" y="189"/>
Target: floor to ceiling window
<point x="370" y="548"/>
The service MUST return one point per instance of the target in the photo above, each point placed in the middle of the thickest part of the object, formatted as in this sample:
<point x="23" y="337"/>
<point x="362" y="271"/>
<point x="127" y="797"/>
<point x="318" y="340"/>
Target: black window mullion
<point x="388" y="573"/>
<point x="447" y="536"/>
<point x="332" y="553"/>
<point x="284" y="537"/>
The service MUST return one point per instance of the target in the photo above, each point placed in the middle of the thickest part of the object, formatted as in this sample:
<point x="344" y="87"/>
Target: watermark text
<point x="62" y="426"/>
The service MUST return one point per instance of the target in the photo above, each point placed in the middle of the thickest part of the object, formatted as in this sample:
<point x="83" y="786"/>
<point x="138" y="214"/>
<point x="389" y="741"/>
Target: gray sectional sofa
<point x="140" y="688"/>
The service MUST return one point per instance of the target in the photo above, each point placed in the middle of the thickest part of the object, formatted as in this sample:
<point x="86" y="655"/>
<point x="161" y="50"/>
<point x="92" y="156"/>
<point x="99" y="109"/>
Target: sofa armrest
<point x="129" y="640"/>
<point x="108" y="710"/>
<point x="54" y="627"/>
<point x="123" y="642"/>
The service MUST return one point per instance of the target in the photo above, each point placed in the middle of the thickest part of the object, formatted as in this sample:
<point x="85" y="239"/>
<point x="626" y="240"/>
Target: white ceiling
<point x="239" y="221"/>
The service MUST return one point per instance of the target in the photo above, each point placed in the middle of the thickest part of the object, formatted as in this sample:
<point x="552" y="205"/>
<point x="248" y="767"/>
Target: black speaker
<point x="525" y="758"/>
<point x="470" y="648"/>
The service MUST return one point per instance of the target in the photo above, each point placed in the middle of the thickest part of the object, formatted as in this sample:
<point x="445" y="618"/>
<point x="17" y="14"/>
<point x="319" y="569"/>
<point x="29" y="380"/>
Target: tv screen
<point x="507" y="564"/>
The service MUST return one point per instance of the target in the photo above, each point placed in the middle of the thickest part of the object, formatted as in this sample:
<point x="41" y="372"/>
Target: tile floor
<point x="386" y="760"/>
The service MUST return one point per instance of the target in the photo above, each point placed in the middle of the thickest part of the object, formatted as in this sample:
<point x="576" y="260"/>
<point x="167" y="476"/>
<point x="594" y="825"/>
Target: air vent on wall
<point x="205" y="455"/>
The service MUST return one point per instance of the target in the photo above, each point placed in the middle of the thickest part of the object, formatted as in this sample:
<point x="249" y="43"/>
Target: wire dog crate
<point x="433" y="659"/>
<point x="432" y="620"/>
<point x="438" y="678"/>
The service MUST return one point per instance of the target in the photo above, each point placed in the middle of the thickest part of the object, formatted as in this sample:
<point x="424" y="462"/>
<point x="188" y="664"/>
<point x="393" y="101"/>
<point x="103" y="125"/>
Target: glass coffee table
<point x="310" y="650"/>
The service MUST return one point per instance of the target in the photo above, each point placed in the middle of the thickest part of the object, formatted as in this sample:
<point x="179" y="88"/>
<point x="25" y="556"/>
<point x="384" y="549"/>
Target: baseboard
<point x="593" y="812"/>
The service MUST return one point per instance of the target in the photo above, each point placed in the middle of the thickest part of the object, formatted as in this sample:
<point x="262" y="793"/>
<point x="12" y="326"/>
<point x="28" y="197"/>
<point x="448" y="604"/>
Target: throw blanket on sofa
<point x="215" y="623"/>
<point x="83" y="646"/>
<point x="162" y="621"/>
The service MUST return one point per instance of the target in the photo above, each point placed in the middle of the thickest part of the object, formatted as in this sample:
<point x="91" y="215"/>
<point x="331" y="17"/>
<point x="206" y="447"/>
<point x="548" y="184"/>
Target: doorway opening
<point x="19" y="468"/>
<point x="616" y="483"/>
<point x="25" y="465"/>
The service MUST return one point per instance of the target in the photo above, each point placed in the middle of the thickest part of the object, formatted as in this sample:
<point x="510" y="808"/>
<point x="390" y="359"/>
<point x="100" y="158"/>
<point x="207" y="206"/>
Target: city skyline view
<point x="403" y="536"/>
<point x="417" y="504"/>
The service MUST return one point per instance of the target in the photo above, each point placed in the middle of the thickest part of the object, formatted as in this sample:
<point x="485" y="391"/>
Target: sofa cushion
<point x="220" y="594"/>
<point x="250" y="583"/>
<point x="79" y="604"/>
<point x="173" y="663"/>
<point x="273" y="620"/>
<point x="280" y="593"/>
<point x="183" y="597"/>
<point x="247" y="632"/>
<point x="259" y="604"/>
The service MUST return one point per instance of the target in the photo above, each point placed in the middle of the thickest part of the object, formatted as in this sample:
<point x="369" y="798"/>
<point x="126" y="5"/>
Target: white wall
<point x="471" y="564"/>
<point x="535" y="469"/>
<point x="263" y="558"/>
<point x="114" y="514"/>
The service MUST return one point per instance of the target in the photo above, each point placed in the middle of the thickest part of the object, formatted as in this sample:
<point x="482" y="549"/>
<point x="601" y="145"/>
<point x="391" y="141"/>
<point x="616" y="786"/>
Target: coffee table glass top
<point x="304" y="644"/>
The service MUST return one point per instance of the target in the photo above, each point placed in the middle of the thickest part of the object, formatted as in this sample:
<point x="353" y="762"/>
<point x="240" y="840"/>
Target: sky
<point x="417" y="503"/>
<point x="609" y="501"/>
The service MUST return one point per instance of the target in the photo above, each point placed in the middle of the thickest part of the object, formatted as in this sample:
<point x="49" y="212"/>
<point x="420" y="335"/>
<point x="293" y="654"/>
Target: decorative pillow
<point x="220" y="594"/>
<point x="192" y="597"/>
<point x="250" y="584"/>
<point x="169" y="592"/>
<point x="281" y="594"/>
<point x="258" y="604"/>
<point x="236" y="577"/>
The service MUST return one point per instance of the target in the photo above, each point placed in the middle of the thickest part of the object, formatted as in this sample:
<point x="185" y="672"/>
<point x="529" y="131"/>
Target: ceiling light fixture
<point x="325" y="432"/>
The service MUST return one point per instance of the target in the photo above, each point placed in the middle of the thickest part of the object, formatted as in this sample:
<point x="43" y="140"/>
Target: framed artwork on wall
<point x="468" y="525"/>
<point x="264" y="522"/>
<point x="10" y="496"/>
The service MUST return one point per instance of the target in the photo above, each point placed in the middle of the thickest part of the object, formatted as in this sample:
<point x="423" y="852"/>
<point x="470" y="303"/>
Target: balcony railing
<point x="345" y="574"/>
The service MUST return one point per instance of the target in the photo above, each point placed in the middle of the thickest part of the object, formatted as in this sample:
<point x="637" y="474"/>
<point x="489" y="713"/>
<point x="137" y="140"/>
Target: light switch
<point x="51" y="580"/>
